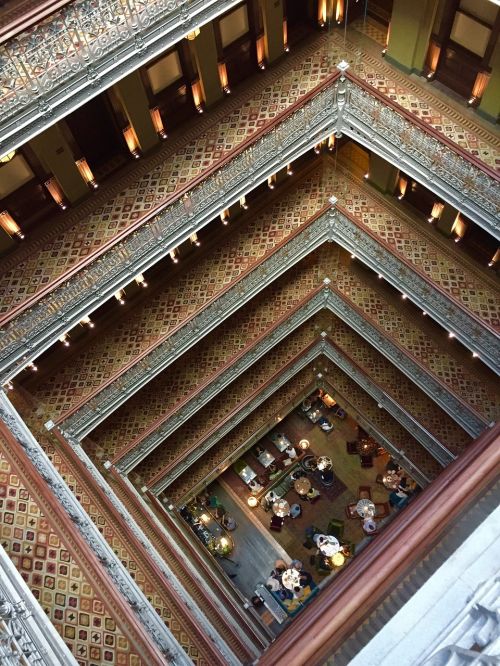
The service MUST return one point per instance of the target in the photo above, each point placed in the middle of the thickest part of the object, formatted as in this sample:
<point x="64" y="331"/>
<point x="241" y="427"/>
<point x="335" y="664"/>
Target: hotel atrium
<point x="249" y="344"/>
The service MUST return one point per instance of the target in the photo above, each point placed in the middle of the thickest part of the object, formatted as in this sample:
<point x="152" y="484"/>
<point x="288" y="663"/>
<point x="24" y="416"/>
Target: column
<point x="490" y="102"/>
<point x="130" y="91"/>
<point x="382" y="175"/>
<point x="411" y="26"/>
<point x="272" y="15"/>
<point x="56" y="156"/>
<point x="204" y="53"/>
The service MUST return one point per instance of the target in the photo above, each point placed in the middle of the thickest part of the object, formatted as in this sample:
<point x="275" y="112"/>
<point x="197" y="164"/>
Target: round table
<point x="324" y="463"/>
<point x="365" y="508"/>
<point x="302" y="485"/>
<point x="366" y="446"/>
<point x="328" y="544"/>
<point x="281" y="508"/>
<point x="391" y="480"/>
<point x="291" y="579"/>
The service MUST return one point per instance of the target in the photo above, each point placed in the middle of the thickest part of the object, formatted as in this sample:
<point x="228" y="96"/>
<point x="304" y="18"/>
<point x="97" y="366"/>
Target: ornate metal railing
<point x="65" y="303"/>
<point x="80" y="50"/>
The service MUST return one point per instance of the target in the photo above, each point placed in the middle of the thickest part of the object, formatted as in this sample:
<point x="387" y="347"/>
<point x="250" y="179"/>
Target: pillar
<point x="130" y="91"/>
<point x="382" y="175"/>
<point x="489" y="106"/>
<point x="56" y="156"/>
<point x="204" y="53"/>
<point x="411" y="26"/>
<point x="447" y="219"/>
<point x="272" y="15"/>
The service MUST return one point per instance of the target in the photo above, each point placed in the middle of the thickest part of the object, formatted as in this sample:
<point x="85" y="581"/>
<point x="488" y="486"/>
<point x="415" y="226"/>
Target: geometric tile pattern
<point x="192" y="156"/>
<point x="157" y="592"/>
<point x="221" y="406"/>
<point x="164" y="393"/>
<point x="160" y="312"/>
<point x="73" y="604"/>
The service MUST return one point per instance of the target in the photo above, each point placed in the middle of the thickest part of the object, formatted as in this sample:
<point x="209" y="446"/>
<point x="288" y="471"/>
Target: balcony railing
<point x="80" y="50"/>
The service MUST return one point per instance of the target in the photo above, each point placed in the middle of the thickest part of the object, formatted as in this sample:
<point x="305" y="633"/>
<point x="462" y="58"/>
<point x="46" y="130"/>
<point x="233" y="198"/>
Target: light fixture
<point x="451" y="335"/>
<point x="56" y="192"/>
<point x="197" y="95"/>
<point x="158" y="122"/>
<point x="338" y="559"/>
<point x="174" y="255"/>
<point x="243" y="202"/>
<point x="317" y="148"/>
<point x="494" y="259"/>
<point x="353" y="256"/>
<point x="475" y="354"/>
<point x="194" y="239"/>
<point x="204" y="518"/>
<point x="64" y="338"/>
<point x="7" y="157"/>
<point x="10" y="226"/>
<point x="324" y="463"/>
<point x="32" y="367"/>
<point x="289" y="169"/>
<point x="132" y="141"/>
<point x="366" y="176"/>
<point x="87" y="321"/>
<point x="141" y="280"/>
<point x="193" y="34"/>
<point x="424" y="313"/>
<point x="380" y="276"/>
<point x="285" y="36"/>
<point x="86" y="173"/>
<point x="252" y="502"/>
<point x="404" y="297"/>
<point x="261" y="50"/>
<point x="331" y="142"/>
<point x="224" y="216"/>
<point x="402" y="185"/>
<point x="304" y="444"/>
<point x="120" y="296"/>
<point x="271" y="181"/>
<point x="436" y="212"/>
<point x="8" y="386"/>
<point x="223" y="78"/>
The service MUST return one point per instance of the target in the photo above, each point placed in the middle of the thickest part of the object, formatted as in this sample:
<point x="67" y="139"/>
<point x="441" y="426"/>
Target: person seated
<point x="291" y="452"/>
<point x="298" y="593"/>
<point x="228" y="522"/>
<point x="273" y="471"/>
<point x="273" y="584"/>
<point x="325" y="424"/>
<point x="255" y="487"/>
<point x="295" y="510"/>
<point x="312" y="494"/>
<point x="296" y="564"/>
<point x="269" y="499"/>
<point x="369" y="525"/>
<point x="305" y="578"/>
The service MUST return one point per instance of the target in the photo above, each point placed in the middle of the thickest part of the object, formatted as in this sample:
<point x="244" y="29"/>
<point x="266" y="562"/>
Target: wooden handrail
<point x="415" y="269"/>
<point x="341" y="607"/>
<point x="428" y="129"/>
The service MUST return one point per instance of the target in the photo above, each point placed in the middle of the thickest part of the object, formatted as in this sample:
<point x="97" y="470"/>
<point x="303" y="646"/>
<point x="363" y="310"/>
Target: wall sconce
<point x="495" y="258"/>
<point x="436" y="212"/>
<point x="31" y="366"/>
<point x="158" y="122"/>
<point x="193" y="34"/>
<point x="132" y="141"/>
<point x="339" y="12"/>
<point x="331" y="142"/>
<point x="197" y="95"/>
<point x="64" y="338"/>
<point x="478" y="88"/>
<point x="56" y="192"/>
<point x="86" y="173"/>
<point x="317" y="148"/>
<point x="459" y="228"/>
<point x="10" y="226"/>
<point x="224" y="216"/>
<point x="402" y="185"/>
<point x="174" y="255"/>
<point x="285" y="36"/>
<point x="289" y="169"/>
<point x="243" y="202"/>
<point x="87" y="321"/>
<point x="224" y="81"/>
<point x="140" y="280"/>
<point x="322" y="13"/>
<point x="261" y="50"/>
<point x="194" y="239"/>
<point x="271" y="181"/>
<point x="366" y="176"/>
<point x="8" y="386"/>
<point x="120" y="296"/>
<point x="432" y="59"/>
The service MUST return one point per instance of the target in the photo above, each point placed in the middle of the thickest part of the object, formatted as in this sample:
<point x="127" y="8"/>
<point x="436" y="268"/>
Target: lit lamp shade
<point x="252" y="502"/>
<point x="338" y="559"/>
<point x="304" y="444"/>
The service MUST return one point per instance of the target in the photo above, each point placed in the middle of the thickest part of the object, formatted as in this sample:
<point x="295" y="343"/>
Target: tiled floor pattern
<point x="230" y="399"/>
<point x="371" y="29"/>
<point x="215" y="457"/>
<point x="203" y="362"/>
<point x="145" y="326"/>
<point x="160" y="313"/>
<point x="422" y="408"/>
<point x="156" y="591"/>
<point x="23" y="278"/>
<point x="72" y="603"/>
